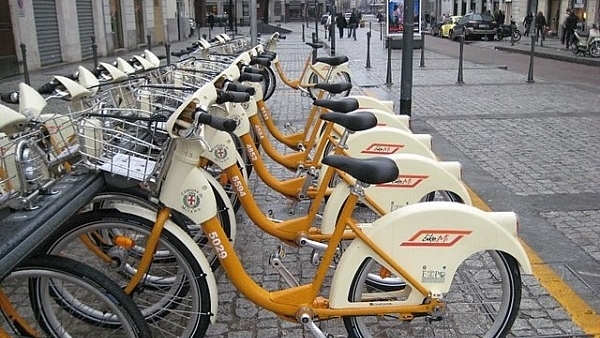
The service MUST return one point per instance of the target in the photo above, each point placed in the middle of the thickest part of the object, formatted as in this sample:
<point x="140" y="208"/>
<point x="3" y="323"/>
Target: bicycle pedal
<point x="306" y="319"/>
<point x="277" y="264"/>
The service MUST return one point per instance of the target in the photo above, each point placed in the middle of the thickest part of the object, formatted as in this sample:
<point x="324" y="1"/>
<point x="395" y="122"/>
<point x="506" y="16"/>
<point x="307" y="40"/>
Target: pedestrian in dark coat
<point x="340" y="22"/>
<point x="540" y="26"/>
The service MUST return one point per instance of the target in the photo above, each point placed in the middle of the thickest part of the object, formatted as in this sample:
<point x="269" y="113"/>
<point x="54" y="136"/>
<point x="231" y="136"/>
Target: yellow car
<point x="446" y="28"/>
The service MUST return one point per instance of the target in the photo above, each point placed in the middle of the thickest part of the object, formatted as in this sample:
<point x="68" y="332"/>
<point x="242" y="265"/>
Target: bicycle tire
<point x="140" y="197"/>
<point x="270" y="81"/>
<point x="173" y="296"/>
<point x="500" y="276"/>
<point x="39" y="276"/>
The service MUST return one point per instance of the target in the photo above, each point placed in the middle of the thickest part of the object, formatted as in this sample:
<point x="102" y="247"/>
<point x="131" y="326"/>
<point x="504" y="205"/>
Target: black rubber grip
<point x="252" y="70"/>
<point x="250" y="77"/>
<point x="236" y="87"/>
<point x="47" y="87"/>
<point x="180" y="53"/>
<point x="224" y="96"/>
<point x="282" y="37"/>
<point x="260" y="61"/>
<point x="12" y="97"/>
<point x="217" y="122"/>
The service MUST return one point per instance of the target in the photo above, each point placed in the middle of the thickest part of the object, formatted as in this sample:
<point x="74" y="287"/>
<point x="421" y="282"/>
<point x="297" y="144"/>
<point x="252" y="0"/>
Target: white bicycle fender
<point x="173" y="228"/>
<point x="368" y="102"/>
<point x="387" y="141"/>
<point x="429" y="240"/>
<point x="322" y="68"/>
<point x="385" y="119"/>
<point x="418" y="176"/>
<point x="225" y="198"/>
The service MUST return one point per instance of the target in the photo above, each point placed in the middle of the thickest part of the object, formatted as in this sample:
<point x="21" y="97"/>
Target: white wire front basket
<point x="125" y="142"/>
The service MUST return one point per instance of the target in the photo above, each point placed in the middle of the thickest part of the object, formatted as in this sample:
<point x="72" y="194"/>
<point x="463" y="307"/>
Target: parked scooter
<point x="587" y="43"/>
<point x="504" y="31"/>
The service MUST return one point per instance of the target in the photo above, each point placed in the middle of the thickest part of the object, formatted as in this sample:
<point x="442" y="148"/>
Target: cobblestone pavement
<point x="519" y="152"/>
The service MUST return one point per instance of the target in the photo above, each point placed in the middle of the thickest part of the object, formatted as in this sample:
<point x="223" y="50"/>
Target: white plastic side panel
<point x="386" y="141"/>
<point x="10" y="119"/>
<point x="368" y="102"/>
<point x="88" y="80"/>
<point x="225" y="198"/>
<point x="125" y="66"/>
<point x="31" y="103"/>
<point x="223" y="152"/>
<point x="187" y="190"/>
<point x="428" y="239"/>
<point x="418" y="177"/>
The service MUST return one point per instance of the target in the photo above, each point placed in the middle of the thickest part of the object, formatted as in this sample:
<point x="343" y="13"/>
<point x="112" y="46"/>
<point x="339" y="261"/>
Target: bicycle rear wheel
<point x="34" y="289"/>
<point x="483" y="301"/>
<point x="173" y="295"/>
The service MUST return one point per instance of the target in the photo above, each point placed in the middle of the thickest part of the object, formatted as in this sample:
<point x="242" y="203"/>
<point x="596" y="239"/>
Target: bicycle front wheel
<point x="173" y="294"/>
<point x="483" y="301"/>
<point x="34" y="290"/>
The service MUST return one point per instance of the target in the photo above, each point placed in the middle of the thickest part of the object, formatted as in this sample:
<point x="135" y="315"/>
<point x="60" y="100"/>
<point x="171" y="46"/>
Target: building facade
<point x="55" y="31"/>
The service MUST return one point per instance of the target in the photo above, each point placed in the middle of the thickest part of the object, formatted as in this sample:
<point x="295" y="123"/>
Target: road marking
<point x="581" y="313"/>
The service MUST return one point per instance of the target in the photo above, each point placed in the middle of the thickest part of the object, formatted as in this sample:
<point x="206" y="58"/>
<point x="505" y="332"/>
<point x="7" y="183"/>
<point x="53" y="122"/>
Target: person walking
<point x="570" y="25"/>
<point x="540" y="26"/>
<point x="527" y="23"/>
<point x="352" y="24"/>
<point x="563" y="26"/>
<point x="340" y="22"/>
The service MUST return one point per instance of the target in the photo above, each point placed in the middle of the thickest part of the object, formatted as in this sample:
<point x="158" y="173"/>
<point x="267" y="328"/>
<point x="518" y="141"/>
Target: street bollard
<point x="25" y="69"/>
<point x="512" y="38"/>
<point x="94" y="51"/>
<point x="303" y="39"/>
<point x="203" y="36"/>
<point x="354" y="33"/>
<point x="388" y="78"/>
<point x="332" y="36"/>
<point x="460" y="60"/>
<point x="168" y="52"/>
<point x="209" y="34"/>
<point x="380" y="31"/>
<point x="422" y="62"/>
<point x="314" y="51"/>
<point x="530" y="72"/>
<point x="149" y="39"/>
<point x="368" y="50"/>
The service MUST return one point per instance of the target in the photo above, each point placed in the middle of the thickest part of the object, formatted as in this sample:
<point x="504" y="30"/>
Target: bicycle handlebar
<point x="228" y="96"/>
<point x="217" y="122"/>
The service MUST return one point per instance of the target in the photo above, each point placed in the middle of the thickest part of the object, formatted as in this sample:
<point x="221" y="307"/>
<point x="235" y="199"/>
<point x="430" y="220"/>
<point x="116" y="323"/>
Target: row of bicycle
<point x="166" y="152"/>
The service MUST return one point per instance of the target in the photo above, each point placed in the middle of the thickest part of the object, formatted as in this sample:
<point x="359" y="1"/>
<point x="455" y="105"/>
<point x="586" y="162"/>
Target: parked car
<point x="447" y="28"/>
<point x="475" y="26"/>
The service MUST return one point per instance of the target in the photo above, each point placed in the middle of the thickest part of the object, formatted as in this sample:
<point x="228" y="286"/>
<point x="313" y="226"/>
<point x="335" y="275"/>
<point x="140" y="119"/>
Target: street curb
<point x="584" y="61"/>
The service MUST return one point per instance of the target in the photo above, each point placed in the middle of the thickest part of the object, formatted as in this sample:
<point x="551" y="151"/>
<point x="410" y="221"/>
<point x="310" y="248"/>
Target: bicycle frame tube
<point x="287" y="302"/>
<point x="14" y="318"/>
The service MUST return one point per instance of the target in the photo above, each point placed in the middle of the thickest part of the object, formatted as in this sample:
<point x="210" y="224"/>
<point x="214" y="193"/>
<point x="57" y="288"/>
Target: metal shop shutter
<point x="46" y="28"/>
<point x="85" y="20"/>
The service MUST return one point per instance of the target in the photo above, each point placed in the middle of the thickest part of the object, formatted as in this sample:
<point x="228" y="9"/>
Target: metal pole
<point x="368" y="65"/>
<point x="512" y="38"/>
<point x="530" y="72"/>
<point x="533" y="38"/>
<point x="25" y="69"/>
<point x="168" y="52"/>
<point x="388" y="78"/>
<point x="316" y="23"/>
<point x="95" y="51"/>
<point x="303" y="38"/>
<point x="253" y="23"/>
<point x="406" y="79"/>
<point x="460" y="60"/>
<point x="332" y="29"/>
<point x="380" y="31"/>
<point x="149" y="39"/>
<point x="422" y="63"/>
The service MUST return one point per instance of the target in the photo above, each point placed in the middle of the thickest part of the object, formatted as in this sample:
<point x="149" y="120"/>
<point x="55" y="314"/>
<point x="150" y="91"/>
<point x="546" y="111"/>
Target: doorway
<point x="9" y="65"/>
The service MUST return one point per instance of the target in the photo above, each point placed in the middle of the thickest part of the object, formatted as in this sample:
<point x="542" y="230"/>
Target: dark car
<point x="475" y="26"/>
